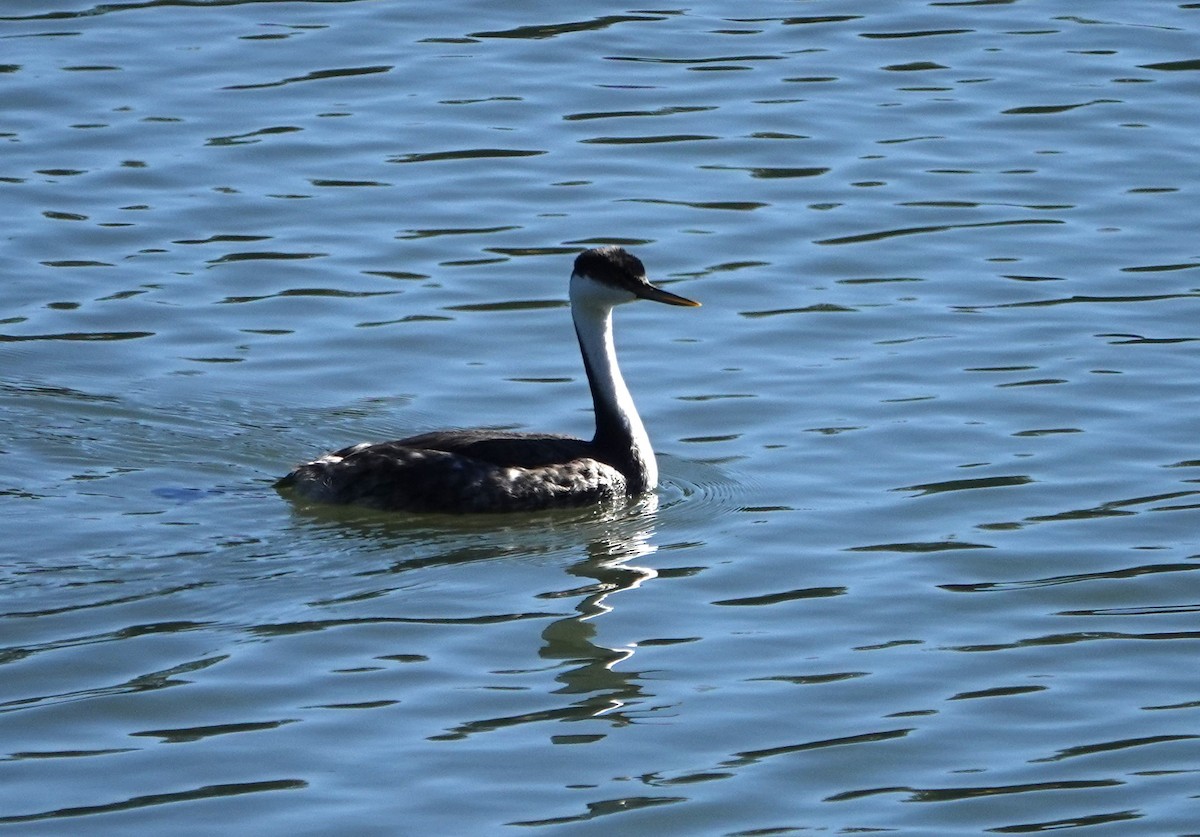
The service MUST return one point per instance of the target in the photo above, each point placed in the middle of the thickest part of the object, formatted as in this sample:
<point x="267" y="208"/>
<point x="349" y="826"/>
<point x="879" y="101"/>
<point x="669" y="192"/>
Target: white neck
<point x="617" y="419"/>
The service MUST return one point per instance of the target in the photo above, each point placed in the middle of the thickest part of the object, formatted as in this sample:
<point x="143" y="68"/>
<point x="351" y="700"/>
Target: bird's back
<point x="461" y="471"/>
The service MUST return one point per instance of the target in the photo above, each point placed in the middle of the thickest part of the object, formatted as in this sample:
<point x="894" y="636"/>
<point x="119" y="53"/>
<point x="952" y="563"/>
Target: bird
<point x="486" y="470"/>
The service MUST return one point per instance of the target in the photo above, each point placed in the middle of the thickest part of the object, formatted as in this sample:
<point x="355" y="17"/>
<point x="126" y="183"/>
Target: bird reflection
<point x="590" y="666"/>
<point x="612" y="540"/>
<point x="573" y="638"/>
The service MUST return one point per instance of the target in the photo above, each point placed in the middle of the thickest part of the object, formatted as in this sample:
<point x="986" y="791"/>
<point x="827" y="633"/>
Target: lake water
<point x="922" y="559"/>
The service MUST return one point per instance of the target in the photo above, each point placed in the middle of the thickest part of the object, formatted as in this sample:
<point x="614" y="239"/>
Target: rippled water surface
<point x="922" y="560"/>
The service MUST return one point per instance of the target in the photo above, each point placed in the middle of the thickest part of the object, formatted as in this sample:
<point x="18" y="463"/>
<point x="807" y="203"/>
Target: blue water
<point x="921" y="562"/>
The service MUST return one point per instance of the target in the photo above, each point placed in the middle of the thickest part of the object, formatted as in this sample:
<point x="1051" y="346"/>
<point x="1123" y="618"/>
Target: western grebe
<point x="496" y="470"/>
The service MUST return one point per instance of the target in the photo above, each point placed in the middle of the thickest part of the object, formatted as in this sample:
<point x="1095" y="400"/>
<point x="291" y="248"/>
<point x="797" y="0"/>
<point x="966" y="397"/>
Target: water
<point x="922" y="562"/>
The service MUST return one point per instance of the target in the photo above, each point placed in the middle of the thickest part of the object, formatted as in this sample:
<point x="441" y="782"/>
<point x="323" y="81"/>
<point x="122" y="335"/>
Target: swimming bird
<point x="483" y="470"/>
